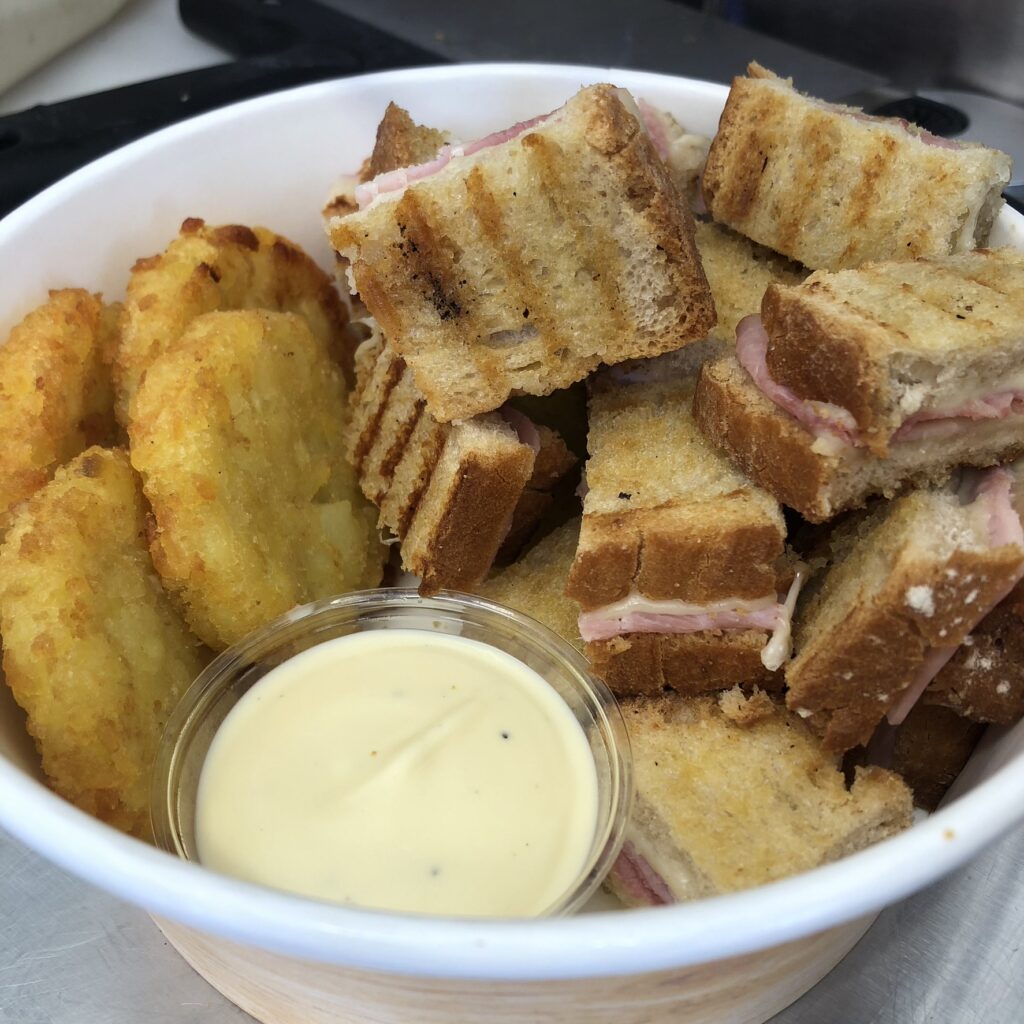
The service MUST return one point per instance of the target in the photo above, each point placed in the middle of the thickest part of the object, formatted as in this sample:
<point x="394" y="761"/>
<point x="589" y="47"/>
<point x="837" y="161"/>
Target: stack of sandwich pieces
<point x="800" y="555"/>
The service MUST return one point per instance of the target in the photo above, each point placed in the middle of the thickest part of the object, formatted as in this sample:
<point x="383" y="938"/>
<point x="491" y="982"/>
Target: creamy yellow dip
<point x="405" y="770"/>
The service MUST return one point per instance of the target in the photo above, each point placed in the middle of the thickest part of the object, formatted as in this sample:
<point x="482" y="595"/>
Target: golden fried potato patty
<point x="94" y="651"/>
<point x="239" y="436"/>
<point x="222" y="268"/>
<point x="55" y="391"/>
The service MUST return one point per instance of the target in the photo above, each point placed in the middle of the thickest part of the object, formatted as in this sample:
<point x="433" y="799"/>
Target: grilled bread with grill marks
<point x="781" y="455"/>
<point x="400" y="142"/>
<point x="833" y="187"/>
<point x="890" y="340"/>
<point x="526" y="264"/>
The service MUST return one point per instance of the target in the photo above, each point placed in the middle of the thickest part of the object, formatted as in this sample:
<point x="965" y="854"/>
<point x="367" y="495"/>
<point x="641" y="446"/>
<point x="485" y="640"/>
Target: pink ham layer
<point x="525" y="428"/>
<point x="917" y="132"/>
<point x="752" y="353"/>
<point x="639" y="881"/>
<point x="599" y="625"/>
<point x="655" y="127"/>
<point x="994" y="493"/>
<point x="999" y="405"/>
<point x="395" y="181"/>
<point x="824" y="419"/>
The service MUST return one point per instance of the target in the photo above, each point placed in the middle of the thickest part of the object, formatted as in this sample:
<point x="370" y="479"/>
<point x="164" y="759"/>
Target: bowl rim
<point x="588" y="945"/>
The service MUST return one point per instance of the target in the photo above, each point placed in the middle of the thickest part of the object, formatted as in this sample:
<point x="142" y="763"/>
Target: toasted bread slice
<point x="451" y="492"/>
<point x="401" y="143"/>
<point x="984" y="680"/>
<point x="651" y="481"/>
<point x="903" y="345"/>
<point x="820" y="481"/>
<point x="535" y="584"/>
<point x="739" y="271"/>
<point x="930" y="750"/>
<point x="734" y="793"/>
<point x="915" y="575"/>
<point x="525" y="264"/>
<point x="552" y="464"/>
<point x="648" y="664"/>
<point x="832" y="187"/>
<point x="467" y="508"/>
<point x="667" y="519"/>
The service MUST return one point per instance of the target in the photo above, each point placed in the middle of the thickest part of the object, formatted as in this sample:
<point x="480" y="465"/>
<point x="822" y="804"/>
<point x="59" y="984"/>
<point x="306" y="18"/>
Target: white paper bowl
<point x="736" y="958"/>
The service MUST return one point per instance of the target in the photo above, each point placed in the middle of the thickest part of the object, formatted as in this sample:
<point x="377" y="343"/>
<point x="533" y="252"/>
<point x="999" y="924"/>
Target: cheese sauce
<point x="402" y="770"/>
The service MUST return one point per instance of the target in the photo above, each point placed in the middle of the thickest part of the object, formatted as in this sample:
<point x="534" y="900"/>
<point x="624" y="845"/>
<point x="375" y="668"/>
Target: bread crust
<point x="476" y="304"/>
<point x="648" y="664"/>
<point x="447" y="490"/>
<point x="930" y="750"/>
<point x="400" y="142"/>
<point x="552" y="463"/>
<point x="777" y="452"/>
<point x="659" y="553"/>
<point x="480" y="497"/>
<point x="849" y="676"/>
<point x="378" y="370"/>
<point x="984" y="680"/>
<point x="772" y="448"/>
<point x="823" y="351"/>
<point x="831" y="187"/>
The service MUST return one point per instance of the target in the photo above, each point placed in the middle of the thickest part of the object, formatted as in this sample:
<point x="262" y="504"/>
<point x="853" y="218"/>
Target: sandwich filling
<point x="391" y="184"/>
<point x="992" y="495"/>
<point x="525" y="428"/>
<point x="833" y="425"/>
<point x="639" y="882"/>
<point x="638" y="614"/>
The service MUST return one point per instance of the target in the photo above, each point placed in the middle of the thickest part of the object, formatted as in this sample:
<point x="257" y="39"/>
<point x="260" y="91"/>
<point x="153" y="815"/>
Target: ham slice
<point x="833" y="422"/>
<point x="823" y="419"/>
<point x="639" y="882"/>
<point x="396" y="181"/>
<point x="934" y="661"/>
<point x="999" y="405"/>
<point x="638" y="614"/>
<point x="595" y="626"/>
<point x="655" y="127"/>
<point x="525" y="428"/>
<point x="392" y="182"/>
<point x="994" y="493"/>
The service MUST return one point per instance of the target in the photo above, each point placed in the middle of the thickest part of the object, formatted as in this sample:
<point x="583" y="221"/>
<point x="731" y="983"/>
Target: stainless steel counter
<point x="70" y="954"/>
